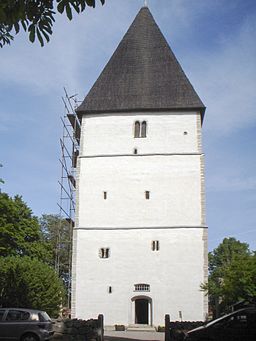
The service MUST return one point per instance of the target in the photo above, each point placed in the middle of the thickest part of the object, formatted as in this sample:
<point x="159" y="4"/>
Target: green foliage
<point x="35" y="16"/>
<point x="232" y="271"/>
<point x="1" y="180"/>
<point x="56" y="232"/>
<point x="19" y="231"/>
<point x="222" y="256"/>
<point x="240" y="279"/>
<point x="29" y="283"/>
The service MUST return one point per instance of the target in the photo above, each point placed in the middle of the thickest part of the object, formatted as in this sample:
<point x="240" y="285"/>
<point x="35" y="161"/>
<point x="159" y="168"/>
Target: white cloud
<point x="75" y="46"/>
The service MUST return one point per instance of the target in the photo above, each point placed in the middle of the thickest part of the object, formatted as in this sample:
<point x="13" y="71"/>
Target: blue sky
<point x="214" y="40"/>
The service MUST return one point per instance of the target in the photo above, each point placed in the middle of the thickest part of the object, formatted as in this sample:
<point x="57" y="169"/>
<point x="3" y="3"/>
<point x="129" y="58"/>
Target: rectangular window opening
<point x="147" y="195"/>
<point x="104" y="252"/>
<point x="141" y="287"/>
<point x="105" y="195"/>
<point x="155" y="245"/>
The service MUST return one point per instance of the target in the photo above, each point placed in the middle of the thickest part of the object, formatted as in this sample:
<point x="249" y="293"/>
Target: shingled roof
<point x="143" y="74"/>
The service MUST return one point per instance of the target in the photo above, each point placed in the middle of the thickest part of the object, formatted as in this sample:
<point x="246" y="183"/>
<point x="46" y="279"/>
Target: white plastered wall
<point x="174" y="274"/>
<point x="169" y="165"/>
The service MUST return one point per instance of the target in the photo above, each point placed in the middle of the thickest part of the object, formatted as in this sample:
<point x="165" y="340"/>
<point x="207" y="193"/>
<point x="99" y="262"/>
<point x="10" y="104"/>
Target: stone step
<point x="141" y="327"/>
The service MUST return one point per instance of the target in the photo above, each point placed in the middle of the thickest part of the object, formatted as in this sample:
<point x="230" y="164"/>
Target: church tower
<point x="140" y="238"/>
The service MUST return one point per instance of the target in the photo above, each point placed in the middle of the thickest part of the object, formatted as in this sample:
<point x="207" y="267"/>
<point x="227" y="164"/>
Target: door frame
<point x="150" y="310"/>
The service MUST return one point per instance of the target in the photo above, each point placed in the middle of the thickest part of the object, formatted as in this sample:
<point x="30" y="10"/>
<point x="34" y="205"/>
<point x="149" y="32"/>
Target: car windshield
<point x="223" y="318"/>
<point x="45" y="316"/>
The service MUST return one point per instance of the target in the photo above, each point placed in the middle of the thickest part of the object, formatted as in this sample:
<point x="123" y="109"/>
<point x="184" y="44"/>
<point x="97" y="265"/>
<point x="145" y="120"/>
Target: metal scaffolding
<point x="69" y="143"/>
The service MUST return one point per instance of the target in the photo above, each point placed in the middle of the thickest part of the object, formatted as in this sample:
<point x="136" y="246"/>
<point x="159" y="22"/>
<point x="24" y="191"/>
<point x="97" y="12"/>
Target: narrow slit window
<point x="105" y="195"/>
<point x="110" y="290"/>
<point x="144" y="129"/>
<point x="137" y="129"/>
<point x="147" y="195"/>
<point x="135" y="151"/>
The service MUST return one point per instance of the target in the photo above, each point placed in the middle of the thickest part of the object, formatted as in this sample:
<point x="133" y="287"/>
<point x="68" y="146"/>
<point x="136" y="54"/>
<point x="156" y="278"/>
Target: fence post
<point x="101" y="327"/>
<point x="167" y="328"/>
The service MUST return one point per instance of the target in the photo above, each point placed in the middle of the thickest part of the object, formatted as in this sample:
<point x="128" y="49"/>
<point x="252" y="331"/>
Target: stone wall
<point x="79" y="330"/>
<point x="175" y="331"/>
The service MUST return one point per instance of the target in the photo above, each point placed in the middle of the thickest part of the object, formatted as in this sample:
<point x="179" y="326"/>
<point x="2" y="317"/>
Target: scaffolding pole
<point x="69" y="145"/>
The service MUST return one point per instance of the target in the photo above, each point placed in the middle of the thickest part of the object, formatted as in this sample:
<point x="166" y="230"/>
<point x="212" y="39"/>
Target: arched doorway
<point x="142" y="310"/>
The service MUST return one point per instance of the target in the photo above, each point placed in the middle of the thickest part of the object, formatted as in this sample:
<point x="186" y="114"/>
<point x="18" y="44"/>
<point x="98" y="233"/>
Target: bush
<point x="29" y="283"/>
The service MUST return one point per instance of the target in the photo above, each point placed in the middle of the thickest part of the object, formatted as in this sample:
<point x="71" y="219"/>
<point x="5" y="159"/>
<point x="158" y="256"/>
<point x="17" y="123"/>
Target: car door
<point x="14" y="324"/>
<point x="235" y="328"/>
<point x="2" y="324"/>
<point x="5" y="328"/>
<point x="251" y="324"/>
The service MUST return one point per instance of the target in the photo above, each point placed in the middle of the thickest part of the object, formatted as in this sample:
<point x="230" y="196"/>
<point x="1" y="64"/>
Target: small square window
<point x="104" y="252"/>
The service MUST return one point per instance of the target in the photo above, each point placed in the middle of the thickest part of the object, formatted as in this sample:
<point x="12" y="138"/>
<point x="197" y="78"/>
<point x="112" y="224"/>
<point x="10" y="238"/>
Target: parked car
<point x="25" y="325"/>
<point x="237" y="326"/>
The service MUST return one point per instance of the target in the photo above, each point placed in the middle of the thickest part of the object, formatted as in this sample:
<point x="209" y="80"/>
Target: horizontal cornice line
<point x="137" y="155"/>
<point x="137" y="112"/>
<point x="141" y="228"/>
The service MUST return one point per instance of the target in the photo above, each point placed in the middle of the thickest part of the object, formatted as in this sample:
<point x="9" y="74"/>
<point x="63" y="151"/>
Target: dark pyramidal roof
<point x="142" y="75"/>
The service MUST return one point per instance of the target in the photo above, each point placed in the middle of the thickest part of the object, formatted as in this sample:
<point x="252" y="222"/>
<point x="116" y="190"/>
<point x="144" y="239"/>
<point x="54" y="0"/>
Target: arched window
<point x="143" y="129"/>
<point x="137" y="129"/>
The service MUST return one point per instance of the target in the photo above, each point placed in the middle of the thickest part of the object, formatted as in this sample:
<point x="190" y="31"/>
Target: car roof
<point x="25" y="309"/>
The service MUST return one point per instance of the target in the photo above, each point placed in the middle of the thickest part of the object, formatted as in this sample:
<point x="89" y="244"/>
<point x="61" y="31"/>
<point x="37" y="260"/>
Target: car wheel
<point x="30" y="337"/>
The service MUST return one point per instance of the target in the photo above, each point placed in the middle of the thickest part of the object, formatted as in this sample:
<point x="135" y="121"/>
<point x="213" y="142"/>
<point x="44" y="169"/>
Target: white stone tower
<point x="140" y="239"/>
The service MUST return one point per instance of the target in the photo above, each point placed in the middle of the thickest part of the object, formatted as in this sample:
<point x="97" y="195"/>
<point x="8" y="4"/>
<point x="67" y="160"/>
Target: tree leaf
<point x="83" y="5"/>
<point x="68" y="11"/>
<point x="32" y="32"/>
<point x="90" y="3"/>
<point x="47" y="28"/>
<point x="39" y="36"/>
<point x="17" y="27"/>
<point x="45" y="35"/>
<point x="61" y="7"/>
<point x="24" y="24"/>
<point x="76" y="6"/>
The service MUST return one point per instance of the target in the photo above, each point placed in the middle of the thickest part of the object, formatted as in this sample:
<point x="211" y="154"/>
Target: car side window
<point x="34" y="317"/>
<point x="2" y="314"/>
<point x="41" y="318"/>
<point x="17" y="315"/>
<point x="25" y="316"/>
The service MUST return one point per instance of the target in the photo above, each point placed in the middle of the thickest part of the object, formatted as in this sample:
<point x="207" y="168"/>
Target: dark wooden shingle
<point x="142" y="75"/>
